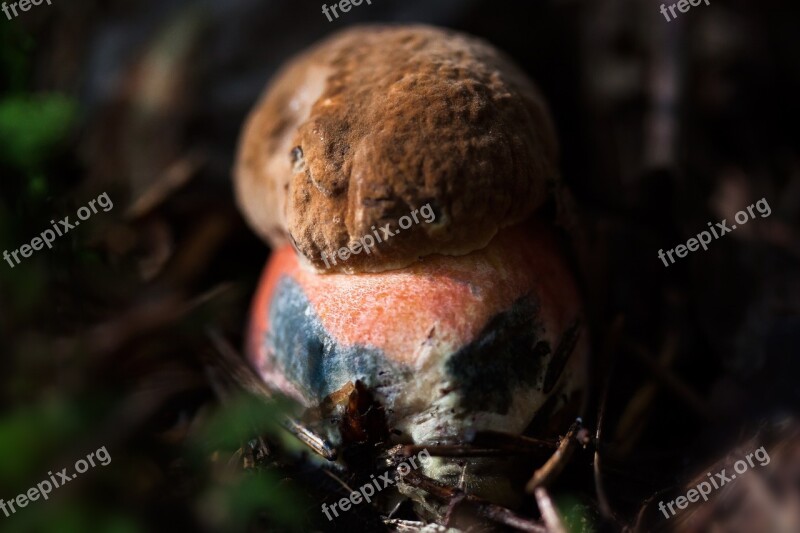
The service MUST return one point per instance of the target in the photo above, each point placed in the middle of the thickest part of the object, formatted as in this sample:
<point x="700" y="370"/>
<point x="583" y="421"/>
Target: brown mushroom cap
<point x="376" y="122"/>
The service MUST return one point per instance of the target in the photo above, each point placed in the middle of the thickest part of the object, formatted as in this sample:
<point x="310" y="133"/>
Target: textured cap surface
<point x="376" y="122"/>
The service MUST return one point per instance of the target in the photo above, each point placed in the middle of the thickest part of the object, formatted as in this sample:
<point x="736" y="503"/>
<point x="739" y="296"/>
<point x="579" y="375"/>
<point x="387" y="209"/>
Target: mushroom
<point x="471" y="322"/>
<point x="378" y="121"/>
<point x="448" y="344"/>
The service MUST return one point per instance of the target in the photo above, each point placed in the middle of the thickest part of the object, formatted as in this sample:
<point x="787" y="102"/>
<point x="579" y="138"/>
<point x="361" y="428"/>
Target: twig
<point x="631" y="423"/>
<point x="669" y="380"/>
<point x="483" y="507"/>
<point x="319" y="445"/>
<point x="339" y="480"/>
<point x="611" y="348"/>
<point x="556" y="463"/>
<point x="458" y="450"/>
<point x="549" y="513"/>
<point x="508" y="441"/>
<point x="230" y="366"/>
<point x="175" y="176"/>
<point x="602" y="498"/>
<point x="234" y="370"/>
<point x="483" y="444"/>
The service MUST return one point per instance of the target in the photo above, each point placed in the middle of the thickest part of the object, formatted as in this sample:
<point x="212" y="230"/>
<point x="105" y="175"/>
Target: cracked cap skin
<point x="378" y="121"/>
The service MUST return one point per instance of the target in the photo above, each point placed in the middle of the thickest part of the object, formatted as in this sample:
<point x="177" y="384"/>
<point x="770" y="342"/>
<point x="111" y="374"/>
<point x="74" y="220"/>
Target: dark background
<point x="663" y="128"/>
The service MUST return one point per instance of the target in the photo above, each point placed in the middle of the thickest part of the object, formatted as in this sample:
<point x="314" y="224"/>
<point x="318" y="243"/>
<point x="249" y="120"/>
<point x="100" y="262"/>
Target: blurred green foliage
<point x="40" y="424"/>
<point x="61" y="517"/>
<point x="259" y="490"/>
<point x="34" y="129"/>
<point x="51" y="405"/>
<point x="578" y="517"/>
<point x="31" y="127"/>
<point x="31" y="431"/>
<point x="239" y="421"/>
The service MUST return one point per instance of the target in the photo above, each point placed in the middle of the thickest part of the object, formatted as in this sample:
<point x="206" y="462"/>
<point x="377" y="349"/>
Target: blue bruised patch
<point x="506" y="354"/>
<point x="310" y="358"/>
